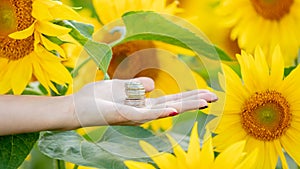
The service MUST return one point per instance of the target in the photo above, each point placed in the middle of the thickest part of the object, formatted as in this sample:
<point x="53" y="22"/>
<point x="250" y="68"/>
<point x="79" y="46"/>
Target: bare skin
<point x="96" y="104"/>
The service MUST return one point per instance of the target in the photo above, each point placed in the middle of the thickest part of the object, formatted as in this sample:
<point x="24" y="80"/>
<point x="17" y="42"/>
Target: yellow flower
<point x="164" y="84"/>
<point x="203" y="14"/>
<point x="86" y="11"/>
<point x="196" y="156"/>
<point x="71" y="166"/>
<point x="24" y="48"/>
<point x="266" y="23"/>
<point x="159" y="68"/>
<point x="262" y="108"/>
<point x="110" y="10"/>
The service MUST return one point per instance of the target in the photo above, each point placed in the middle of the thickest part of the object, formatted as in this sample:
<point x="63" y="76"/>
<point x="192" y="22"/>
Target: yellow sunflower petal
<point x="52" y="87"/>
<point x="52" y="46"/>
<point x="67" y="14"/>
<point x="277" y="68"/>
<point x="51" y="29"/>
<point x="163" y="160"/>
<point x="179" y="152"/>
<point x="159" y="124"/>
<point x="281" y="155"/>
<point x="207" y="153"/>
<point x="5" y="84"/>
<point x="233" y="84"/>
<point x="225" y="139"/>
<point x="235" y="152"/>
<point x="247" y="62"/>
<point x="40" y="10"/>
<point x="120" y="6"/>
<point x="249" y="161"/>
<point x="21" y="75"/>
<point x="271" y="156"/>
<point x="23" y="33"/>
<point x="291" y="145"/>
<point x="57" y="72"/>
<point x="290" y="84"/>
<point x="39" y="73"/>
<point x="227" y="122"/>
<point x="37" y="40"/>
<point x="173" y="8"/>
<point x="106" y="16"/>
<point x="158" y="5"/>
<point x="193" y="153"/>
<point x="262" y="68"/>
<point x="138" y="165"/>
<point x="252" y="144"/>
<point x="55" y="69"/>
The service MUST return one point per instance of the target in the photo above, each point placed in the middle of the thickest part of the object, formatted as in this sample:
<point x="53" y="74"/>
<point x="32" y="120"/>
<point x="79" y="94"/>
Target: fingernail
<point x="204" y="107"/>
<point x="173" y="114"/>
<point x="214" y="99"/>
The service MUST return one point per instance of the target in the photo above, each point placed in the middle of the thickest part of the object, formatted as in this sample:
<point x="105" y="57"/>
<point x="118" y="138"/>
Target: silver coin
<point x="135" y="94"/>
<point x="135" y="102"/>
<point x="132" y="85"/>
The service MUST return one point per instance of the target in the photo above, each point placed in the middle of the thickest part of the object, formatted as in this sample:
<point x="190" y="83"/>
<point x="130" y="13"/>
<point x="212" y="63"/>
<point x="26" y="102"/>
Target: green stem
<point x="75" y="166"/>
<point x="74" y="73"/>
<point x="60" y="164"/>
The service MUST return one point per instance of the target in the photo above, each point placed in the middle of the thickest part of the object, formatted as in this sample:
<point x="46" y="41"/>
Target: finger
<point x="194" y="94"/>
<point x="185" y="105"/>
<point x="148" y="83"/>
<point x="209" y="97"/>
<point x="147" y="115"/>
<point x="132" y="115"/>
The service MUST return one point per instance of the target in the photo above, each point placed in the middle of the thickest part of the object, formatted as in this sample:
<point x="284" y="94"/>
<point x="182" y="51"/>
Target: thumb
<point x="147" y="82"/>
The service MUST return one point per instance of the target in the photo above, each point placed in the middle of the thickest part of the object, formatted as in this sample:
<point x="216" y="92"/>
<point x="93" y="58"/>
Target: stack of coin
<point x="135" y="93"/>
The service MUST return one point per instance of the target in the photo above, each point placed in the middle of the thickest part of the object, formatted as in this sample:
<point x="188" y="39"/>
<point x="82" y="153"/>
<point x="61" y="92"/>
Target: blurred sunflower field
<point x="245" y="51"/>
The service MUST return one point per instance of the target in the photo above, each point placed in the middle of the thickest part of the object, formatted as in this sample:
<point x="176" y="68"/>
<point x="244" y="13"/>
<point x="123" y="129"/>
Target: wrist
<point x="70" y="121"/>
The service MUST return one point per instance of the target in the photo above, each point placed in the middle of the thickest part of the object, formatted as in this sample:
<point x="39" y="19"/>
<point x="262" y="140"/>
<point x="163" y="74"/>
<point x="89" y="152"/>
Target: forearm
<point x="20" y="114"/>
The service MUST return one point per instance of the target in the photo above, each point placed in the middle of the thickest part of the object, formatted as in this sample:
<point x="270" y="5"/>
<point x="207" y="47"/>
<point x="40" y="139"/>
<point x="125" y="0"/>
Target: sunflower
<point x="203" y="14"/>
<point x="86" y="10"/>
<point x="262" y="108"/>
<point x="266" y="23"/>
<point x="118" y="7"/>
<point x="25" y="50"/>
<point x="165" y="82"/>
<point x="196" y="156"/>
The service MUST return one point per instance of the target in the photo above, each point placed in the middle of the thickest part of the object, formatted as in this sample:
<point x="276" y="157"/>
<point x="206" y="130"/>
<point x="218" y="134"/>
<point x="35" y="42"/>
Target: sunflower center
<point x="272" y="9"/>
<point x="15" y="16"/>
<point x="7" y="19"/>
<point x="266" y="115"/>
<point x="128" y="59"/>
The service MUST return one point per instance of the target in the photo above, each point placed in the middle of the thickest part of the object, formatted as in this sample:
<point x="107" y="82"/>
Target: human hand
<point x="102" y="103"/>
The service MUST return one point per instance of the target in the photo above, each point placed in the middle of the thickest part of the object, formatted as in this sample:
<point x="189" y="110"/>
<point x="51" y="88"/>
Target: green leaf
<point x="132" y="135"/>
<point x="116" y="145"/>
<point x="63" y="146"/>
<point x="55" y="40"/>
<point x="122" y="142"/>
<point x="86" y="30"/>
<point x="288" y="70"/>
<point x="77" y="32"/>
<point x="30" y="91"/>
<point x="101" y="53"/>
<point x="152" y="26"/>
<point x="15" y="148"/>
<point x="207" y="68"/>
